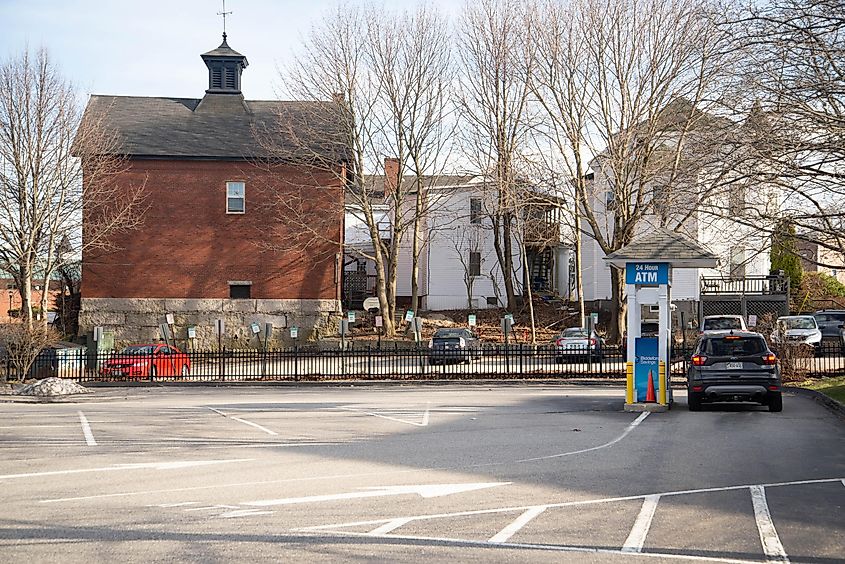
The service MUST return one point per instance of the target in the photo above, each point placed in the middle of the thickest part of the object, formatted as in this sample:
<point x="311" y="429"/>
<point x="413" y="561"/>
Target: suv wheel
<point x="775" y="402"/>
<point x="694" y="401"/>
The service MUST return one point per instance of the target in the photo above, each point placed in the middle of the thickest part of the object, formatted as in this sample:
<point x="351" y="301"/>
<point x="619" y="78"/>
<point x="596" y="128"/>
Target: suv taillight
<point x="770" y="359"/>
<point x="698" y="360"/>
<point x="592" y="342"/>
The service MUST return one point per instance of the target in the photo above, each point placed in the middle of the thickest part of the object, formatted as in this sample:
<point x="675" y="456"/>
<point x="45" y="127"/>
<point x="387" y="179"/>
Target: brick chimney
<point x="391" y="173"/>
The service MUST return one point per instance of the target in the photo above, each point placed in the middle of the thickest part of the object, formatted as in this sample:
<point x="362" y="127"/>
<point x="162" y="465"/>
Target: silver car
<point x="798" y="329"/>
<point x="576" y="342"/>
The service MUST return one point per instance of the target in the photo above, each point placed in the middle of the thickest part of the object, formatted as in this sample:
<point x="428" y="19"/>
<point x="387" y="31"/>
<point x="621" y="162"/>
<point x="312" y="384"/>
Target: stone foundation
<point x="137" y="320"/>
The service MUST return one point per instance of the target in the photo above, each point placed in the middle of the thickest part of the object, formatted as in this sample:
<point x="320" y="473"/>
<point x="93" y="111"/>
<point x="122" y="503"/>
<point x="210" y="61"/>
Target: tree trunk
<point x="618" y="305"/>
<point x="415" y="257"/>
<point x="529" y="293"/>
<point x="507" y="265"/>
<point x="25" y="313"/>
<point x="579" y="275"/>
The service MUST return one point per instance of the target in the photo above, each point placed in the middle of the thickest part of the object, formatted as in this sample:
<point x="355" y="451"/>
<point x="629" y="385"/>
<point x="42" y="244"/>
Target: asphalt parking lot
<point x="495" y="472"/>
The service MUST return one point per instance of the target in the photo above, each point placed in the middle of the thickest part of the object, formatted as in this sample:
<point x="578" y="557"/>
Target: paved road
<point x="455" y="473"/>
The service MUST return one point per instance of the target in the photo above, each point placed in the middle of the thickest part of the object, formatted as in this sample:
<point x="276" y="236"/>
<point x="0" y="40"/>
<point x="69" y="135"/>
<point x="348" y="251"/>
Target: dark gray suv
<point x="734" y="367"/>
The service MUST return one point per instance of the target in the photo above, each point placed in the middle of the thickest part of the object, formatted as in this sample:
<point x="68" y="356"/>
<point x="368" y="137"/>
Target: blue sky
<point x="153" y="47"/>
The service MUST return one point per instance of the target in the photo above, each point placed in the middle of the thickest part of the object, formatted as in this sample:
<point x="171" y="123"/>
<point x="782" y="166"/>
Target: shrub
<point x="23" y="344"/>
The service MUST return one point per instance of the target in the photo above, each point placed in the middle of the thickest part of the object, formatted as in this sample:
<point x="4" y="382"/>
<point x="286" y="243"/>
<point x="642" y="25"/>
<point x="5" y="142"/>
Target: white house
<point x="458" y="267"/>
<point x="722" y="220"/>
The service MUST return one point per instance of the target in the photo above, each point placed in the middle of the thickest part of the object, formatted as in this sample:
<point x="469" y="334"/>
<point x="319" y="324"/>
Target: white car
<point x="799" y="329"/>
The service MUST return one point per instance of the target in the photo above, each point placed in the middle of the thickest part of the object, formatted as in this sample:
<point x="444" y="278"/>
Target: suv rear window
<point x="731" y="345"/>
<point x="722" y="323"/>
<point x="833" y="316"/>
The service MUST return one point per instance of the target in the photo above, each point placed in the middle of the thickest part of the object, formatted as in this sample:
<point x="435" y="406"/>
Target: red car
<point x="141" y="361"/>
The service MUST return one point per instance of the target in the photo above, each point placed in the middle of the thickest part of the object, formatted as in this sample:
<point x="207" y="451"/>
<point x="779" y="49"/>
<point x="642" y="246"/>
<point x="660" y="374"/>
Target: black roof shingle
<point x="221" y="127"/>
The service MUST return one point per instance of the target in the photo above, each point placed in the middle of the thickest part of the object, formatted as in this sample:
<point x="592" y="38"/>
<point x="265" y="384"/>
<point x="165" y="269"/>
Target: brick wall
<point x="189" y="247"/>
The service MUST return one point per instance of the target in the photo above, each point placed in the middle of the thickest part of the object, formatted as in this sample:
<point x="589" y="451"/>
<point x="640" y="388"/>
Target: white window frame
<point x="242" y="197"/>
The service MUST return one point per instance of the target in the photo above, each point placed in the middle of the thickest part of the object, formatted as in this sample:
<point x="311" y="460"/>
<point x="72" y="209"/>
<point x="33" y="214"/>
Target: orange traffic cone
<point x="649" y="394"/>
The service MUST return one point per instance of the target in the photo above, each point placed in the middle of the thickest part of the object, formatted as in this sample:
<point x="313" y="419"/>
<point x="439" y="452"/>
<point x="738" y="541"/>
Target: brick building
<point x="212" y="245"/>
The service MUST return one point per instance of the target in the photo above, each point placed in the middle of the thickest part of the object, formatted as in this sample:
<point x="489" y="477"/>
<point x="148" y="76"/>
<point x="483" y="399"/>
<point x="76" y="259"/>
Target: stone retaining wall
<point x="137" y="320"/>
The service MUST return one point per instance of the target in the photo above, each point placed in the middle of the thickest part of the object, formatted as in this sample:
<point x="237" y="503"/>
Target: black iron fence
<point x="369" y="362"/>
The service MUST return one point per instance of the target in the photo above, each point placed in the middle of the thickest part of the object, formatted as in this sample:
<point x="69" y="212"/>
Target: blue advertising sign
<point x="646" y="367"/>
<point x="647" y="273"/>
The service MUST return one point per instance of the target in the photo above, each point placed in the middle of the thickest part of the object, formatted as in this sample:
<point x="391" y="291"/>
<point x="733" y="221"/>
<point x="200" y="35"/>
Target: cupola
<point x="225" y="66"/>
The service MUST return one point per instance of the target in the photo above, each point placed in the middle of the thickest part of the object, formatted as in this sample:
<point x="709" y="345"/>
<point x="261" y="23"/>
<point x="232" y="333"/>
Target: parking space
<point x="492" y="472"/>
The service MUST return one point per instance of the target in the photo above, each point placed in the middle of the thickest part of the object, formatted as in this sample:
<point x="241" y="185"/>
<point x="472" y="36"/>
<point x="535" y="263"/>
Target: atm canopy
<point x="664" y="245"/>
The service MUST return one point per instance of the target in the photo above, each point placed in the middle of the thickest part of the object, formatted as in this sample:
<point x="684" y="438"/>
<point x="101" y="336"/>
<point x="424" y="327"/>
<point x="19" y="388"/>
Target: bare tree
<point x="795" y="71"/>
<point x="410" y="55"/>
<point x="466" y="243"/>
<point x="47" y="149"/>
<point x="497" y="57"/>
<point x="387" y="77"/>
<point x="623" y="85"/>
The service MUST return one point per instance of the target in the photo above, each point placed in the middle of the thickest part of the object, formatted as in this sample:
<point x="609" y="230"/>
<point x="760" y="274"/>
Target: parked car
<point x="798" y="329"/>
<point x="453" y="345"/>
<point x="576" y="342"/>
<point x="140" y="361"/>
<point x="830" y="322"/>
<point x="734" y="367"/>
<point x="723" y="323"/>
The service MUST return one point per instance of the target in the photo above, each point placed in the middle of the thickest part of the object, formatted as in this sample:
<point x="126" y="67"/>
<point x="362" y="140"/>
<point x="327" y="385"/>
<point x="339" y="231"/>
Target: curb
<point x="831" y="404"/>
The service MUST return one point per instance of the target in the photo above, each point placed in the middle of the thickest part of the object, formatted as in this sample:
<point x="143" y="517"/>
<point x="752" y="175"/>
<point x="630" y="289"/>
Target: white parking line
<point x="636" y="538"/>
<point x="244" y="421"/>
<point x="505" y="534"/>
<point x="772" y="547"/>
<point x="86" y="430"/>
<point x="624" y="434"/>
<point x="512" y="509"/>
<point x="424" y="422"/>
<point x="388" y="527"/>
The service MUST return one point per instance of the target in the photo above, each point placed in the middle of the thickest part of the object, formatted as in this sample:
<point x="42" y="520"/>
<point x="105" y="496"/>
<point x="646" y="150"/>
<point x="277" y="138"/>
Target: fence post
<point x="521" y="354"/>
<point x="295" y="363"/>
<point x="222" y="364"/>
<point x="369" y="361"/>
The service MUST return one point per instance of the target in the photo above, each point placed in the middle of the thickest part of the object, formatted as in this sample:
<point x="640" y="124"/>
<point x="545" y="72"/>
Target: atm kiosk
<point x="648" y="262"/>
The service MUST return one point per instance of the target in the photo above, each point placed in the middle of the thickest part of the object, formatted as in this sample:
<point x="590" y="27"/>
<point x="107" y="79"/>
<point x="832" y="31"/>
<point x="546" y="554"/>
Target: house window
<point x="474" y="263"/>
<point x="240" y="290"/>
<point x="475" y="210"/>
<point x="492" y="301"/>
<point x="235" y="197"/>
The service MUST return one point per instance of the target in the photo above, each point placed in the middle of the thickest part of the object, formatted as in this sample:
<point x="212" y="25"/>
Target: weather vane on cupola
<point x="224" y="13"/>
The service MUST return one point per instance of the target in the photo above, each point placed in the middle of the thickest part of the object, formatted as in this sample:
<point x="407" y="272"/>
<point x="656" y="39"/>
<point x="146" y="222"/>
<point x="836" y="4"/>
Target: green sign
<point x="409" y="315"/>
<point x="471" y="321"/>
<point x="351" y="317"/>
<point x="294" y="332"/>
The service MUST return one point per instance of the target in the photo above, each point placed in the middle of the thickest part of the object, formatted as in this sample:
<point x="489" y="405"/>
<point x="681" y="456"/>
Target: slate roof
<point x="220" y="126"/>
<point x="223" y="51"/>
<point x="664" y="245"/>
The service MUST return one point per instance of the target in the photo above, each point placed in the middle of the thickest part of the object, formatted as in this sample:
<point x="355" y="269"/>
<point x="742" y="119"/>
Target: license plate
<point x="734" y="366"/>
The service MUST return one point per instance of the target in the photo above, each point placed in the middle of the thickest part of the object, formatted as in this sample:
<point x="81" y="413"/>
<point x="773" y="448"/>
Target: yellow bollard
<point x="662" y="384"/>
<point x="629" y="382"/>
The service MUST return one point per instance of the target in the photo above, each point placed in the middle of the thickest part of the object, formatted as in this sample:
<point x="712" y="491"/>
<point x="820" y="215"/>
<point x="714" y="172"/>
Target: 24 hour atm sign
<point x="647" y="273"/>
